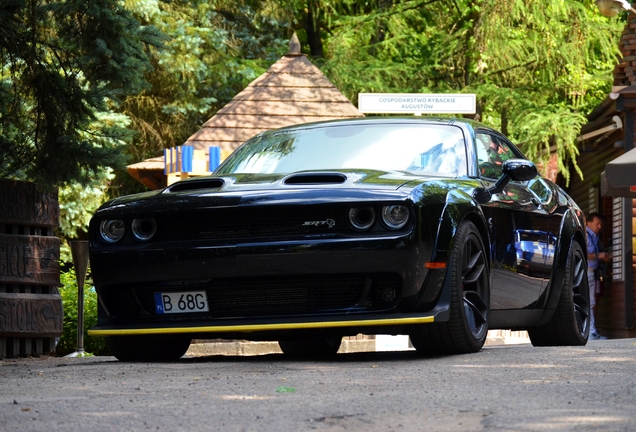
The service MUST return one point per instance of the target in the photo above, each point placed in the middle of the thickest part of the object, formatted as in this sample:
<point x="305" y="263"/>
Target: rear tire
<point x="147" y="348"/>
<point x="467" y="328"/>
<point x="570" y="324"/>
<point x="311" y="348"/>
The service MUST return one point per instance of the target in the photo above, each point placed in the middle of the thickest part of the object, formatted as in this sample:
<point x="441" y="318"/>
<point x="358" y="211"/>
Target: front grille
<point x="285" y="296"/>
<point x="121" y="304"/>
<point x="264" y="297"/>
<point x="249" y="222"/>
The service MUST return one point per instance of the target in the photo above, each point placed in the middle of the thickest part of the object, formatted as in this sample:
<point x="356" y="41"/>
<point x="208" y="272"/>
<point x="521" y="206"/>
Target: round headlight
<point x="112" y="231"/>
<point x="395" y="216"/>
<point x="144" y="229"/>
<point x="361" y="218"/>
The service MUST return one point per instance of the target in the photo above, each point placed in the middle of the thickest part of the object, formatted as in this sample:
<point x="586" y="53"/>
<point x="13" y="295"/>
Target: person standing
<point x="594" y="224"/>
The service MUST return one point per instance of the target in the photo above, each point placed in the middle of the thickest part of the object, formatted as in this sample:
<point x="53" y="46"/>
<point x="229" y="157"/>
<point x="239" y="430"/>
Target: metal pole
<point x="79" y="250"/>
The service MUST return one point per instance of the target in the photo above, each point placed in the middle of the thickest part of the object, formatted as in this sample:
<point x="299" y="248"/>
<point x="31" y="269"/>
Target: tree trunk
<point x="312" y="26"/>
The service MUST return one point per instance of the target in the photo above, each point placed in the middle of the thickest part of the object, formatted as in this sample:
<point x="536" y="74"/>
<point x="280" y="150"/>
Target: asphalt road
<point x="501" y="388"/>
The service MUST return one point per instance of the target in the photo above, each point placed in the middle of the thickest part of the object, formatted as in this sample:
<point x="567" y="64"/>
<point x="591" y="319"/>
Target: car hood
<point x="295" y="188"/>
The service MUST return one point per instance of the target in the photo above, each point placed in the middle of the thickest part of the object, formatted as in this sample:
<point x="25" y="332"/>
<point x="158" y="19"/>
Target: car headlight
<point x="361" y="218"/>
<point x="144" y="229"/>
<point x="112" y="231"/>
<point x="395" y="216"/>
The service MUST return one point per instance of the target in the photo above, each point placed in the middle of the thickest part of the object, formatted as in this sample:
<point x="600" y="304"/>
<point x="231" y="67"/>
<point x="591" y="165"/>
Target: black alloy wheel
<point x="312" y="347"/>
<point x="475" y="288"/>
<point x="570" y="324"/>
<point x="469" y="274"/>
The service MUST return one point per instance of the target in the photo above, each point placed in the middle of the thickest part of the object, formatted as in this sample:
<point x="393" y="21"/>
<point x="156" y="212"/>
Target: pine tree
<point x="65" y="65"/>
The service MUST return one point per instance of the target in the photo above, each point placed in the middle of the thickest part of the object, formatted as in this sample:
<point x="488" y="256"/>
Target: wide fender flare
<point x="459" y="207"/>
<point x="572" y="230"/>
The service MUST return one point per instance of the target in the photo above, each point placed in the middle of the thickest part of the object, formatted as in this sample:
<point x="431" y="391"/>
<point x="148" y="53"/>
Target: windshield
<point x="423" y="148"/>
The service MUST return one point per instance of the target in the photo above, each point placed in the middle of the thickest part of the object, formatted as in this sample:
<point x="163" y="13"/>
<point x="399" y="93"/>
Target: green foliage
<point x="88" y="85"/>
<point x="77" y="204"/>
<point x="64" y="62"/>
<point x="553" y="60"/>
<point x="537" y="67"/>
<point x="68" y="342"/>
<point x="213" y="50"/>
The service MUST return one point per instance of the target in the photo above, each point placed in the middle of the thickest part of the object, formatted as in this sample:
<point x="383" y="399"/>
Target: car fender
<point x="458" y="207"/>
<point x="571" y="230"/>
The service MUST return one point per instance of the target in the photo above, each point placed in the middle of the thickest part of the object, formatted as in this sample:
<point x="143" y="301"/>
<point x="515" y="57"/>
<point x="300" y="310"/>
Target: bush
<point x="68" y="342"/>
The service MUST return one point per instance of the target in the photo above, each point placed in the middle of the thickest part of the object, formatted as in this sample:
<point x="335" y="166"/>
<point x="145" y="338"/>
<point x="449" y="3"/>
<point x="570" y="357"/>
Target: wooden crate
<point x="30" y="303"/>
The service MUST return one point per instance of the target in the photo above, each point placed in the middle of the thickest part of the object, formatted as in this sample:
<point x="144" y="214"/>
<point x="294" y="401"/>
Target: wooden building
<point x="608" y="135"/>
<point x="292" y="91"/>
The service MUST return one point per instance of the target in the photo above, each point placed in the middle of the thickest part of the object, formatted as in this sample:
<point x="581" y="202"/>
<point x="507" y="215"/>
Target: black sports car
<point x="306" y="234"/>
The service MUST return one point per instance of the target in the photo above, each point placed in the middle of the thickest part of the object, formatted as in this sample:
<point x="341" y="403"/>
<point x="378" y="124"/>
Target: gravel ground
<point x="501" y="388"/>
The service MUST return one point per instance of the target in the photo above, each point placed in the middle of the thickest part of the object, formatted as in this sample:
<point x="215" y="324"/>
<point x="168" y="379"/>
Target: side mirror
<point x="513" y="169"/>
<point x="519" y="169"/>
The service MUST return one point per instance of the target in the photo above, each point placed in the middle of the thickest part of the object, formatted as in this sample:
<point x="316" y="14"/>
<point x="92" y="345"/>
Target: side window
<point x="491" y="154"/>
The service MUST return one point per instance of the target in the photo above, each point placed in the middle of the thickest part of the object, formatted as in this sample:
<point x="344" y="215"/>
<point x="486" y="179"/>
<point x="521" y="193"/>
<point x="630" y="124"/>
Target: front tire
<point x="467" y="328"/>
<point x="147" y="348"/>
<point x="311" y="348"/>
<point x="570" y="324"/>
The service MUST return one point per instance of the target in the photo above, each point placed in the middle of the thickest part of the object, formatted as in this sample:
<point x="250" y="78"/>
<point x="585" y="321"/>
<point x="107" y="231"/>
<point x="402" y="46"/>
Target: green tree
<point x="64" y="63"/>
<point x="540" y="68"/>
<point x="213" y="50"/>
<point x="537" y="66"/>
<point x="77" y="204"/>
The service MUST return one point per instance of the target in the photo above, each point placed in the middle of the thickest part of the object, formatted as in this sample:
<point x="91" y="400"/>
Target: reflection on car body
<point x="534" y="251"/>
<point x="313" y="232"/>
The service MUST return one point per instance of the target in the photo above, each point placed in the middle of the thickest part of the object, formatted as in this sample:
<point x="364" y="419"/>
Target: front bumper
<point x="259" y="291"/>
<point x="266" y="331"/>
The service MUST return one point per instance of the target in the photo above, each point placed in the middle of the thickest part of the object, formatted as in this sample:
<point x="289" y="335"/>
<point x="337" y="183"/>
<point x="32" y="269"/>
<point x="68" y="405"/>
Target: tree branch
<point x="500" y="71"/>
<point x="392" y="11"/>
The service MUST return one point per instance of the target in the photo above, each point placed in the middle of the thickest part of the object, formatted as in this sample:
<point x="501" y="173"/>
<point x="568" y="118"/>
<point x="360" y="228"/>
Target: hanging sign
<point x="416" y="103"/>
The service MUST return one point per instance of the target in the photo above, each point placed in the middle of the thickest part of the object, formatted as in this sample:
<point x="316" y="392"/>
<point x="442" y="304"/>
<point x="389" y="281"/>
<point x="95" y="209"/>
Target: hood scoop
<point x="315" y="178"/>
<point x="208" y="183"/>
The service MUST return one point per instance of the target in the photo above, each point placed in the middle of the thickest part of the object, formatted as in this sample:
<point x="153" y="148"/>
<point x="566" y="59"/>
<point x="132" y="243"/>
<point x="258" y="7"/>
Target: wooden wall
<point x="612" y="309"/>
<point x="30" y="304"/>
<point x="612" y="320"/>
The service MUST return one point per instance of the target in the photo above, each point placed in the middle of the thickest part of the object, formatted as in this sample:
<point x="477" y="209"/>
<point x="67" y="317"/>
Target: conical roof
<point x="292" y="91"/>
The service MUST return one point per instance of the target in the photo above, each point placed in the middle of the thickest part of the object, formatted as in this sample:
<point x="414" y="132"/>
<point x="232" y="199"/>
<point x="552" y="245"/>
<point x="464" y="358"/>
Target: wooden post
<point x="30" y="303"/>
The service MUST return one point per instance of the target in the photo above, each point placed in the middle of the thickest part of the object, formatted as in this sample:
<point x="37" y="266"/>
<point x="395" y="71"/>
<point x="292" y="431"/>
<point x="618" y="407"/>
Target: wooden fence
<point x="30" y="303"/>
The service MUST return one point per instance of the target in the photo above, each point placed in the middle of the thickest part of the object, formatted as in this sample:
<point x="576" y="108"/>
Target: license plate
<point x="181" y="302"/>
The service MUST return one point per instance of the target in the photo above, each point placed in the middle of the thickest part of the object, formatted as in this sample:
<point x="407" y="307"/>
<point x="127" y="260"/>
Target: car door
<point x="518" y="229"/>
<point x="554" y="204"/>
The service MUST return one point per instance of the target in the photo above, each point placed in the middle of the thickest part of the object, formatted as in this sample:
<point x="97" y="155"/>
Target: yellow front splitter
<point x="248" y="328"/>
